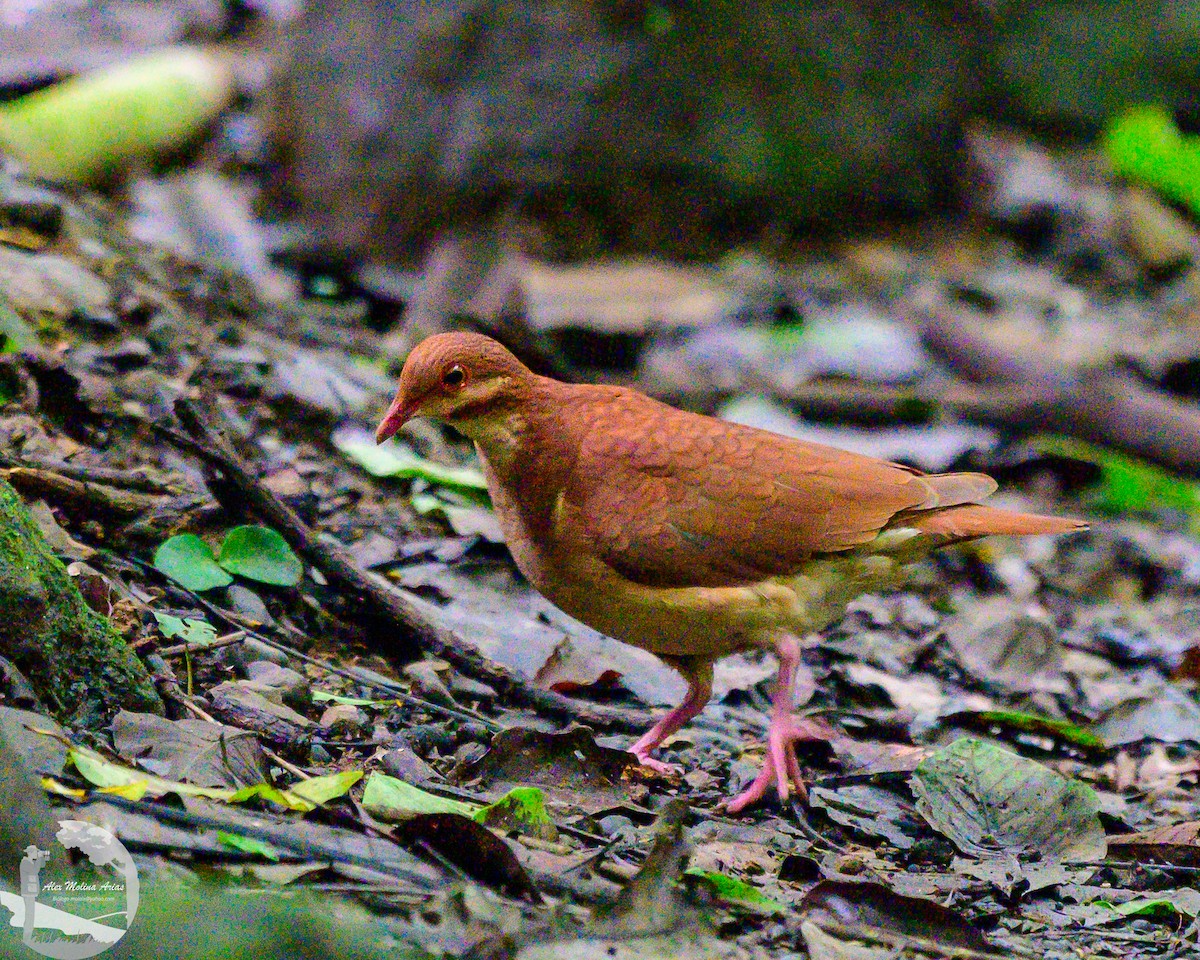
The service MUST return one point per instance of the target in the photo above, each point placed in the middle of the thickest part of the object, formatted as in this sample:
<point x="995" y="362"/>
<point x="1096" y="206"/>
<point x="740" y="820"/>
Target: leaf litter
<point x="1057" y="658"/>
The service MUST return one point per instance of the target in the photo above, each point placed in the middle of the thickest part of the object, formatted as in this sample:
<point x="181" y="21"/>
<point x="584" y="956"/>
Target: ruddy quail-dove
<point x="685" y="535"/>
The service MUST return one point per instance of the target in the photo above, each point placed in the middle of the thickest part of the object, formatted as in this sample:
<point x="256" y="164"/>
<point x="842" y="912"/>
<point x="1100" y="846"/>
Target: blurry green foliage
<point x="1145" y="145"/>
<point x="1128" y="485"/>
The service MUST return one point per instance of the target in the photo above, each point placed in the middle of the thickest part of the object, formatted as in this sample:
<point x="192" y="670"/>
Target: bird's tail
<point x="970" y="520"/>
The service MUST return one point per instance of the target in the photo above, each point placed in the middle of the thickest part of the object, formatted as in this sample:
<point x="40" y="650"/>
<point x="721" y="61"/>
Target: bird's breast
<point x="550" y="549"/>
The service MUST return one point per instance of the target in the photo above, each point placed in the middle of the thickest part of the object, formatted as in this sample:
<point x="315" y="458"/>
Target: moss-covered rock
<point x="78" y="665"/>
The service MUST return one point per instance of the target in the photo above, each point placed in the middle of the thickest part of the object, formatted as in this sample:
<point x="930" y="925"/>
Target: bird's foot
<point x="781" y="766"/>
<point x="667" y="769"/>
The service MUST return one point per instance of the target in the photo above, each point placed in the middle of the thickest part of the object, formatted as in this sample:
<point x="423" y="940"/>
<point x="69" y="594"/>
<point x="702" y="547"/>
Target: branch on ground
<point x="394" y="622"/>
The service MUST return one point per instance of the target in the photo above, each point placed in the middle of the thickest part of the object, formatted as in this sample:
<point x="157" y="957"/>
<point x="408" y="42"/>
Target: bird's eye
<point x="454" y="376"/>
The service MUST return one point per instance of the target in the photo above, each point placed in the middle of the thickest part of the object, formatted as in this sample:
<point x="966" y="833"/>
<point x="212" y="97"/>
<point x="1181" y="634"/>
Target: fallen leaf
<point x="260" y="554"/>
<point x="1168" y="715"/>
<point x="873" y="907"/>
<point x="1013" y="720"/>
<point x="189" y="561"/>
<point x="1177" y="844"/>
<point x="522" y="809"/>
<point x="472" y="847"/>
<point x="133" y="784"/>
<point x="871" y="810"/>
<point x="392" y="800"/>
<point x="236" y="841"/>
<point x="736" y="893"/>
<point x="570" y="766"/>
<point x="394" y="460"/>
<point x="1014" y="647"/>
<point x="190" y="750"/>
<point x="1017" y="818"/>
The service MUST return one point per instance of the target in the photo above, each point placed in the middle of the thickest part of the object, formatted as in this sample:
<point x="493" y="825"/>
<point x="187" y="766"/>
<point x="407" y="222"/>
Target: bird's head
<point x="457" y="377"/>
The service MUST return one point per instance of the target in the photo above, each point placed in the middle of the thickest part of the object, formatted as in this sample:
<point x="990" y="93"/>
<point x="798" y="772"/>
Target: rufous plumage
<point x="686" y="535"/>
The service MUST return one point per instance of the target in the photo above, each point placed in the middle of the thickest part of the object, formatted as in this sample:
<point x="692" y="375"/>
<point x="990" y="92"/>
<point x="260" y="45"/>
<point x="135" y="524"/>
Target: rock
<point x="261" y="651"/>
<point x="246" y="603"/>
<point x="76" y="662"/>
<point x="373" y="550"/>
<point x="401" y="762"/>
<point x="426" y="679"/>
<point x="129" y="354"/>
<point x="294" y="688"/>
<point x="470" y="689"/>
<point x="240" y="704"/>
<point x="344" y="720"/>
<point x="615" y="825"/>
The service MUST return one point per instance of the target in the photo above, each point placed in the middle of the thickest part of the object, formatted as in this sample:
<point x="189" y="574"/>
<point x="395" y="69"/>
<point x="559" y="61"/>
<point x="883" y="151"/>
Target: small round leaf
<point x="188" y="561"/>
<point x="259" y="553"/>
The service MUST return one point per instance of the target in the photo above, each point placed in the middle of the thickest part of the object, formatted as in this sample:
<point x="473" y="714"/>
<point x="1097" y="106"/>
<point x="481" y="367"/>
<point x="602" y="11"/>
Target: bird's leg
<point x="698" y="674"/>
<point x="781" y="765"/>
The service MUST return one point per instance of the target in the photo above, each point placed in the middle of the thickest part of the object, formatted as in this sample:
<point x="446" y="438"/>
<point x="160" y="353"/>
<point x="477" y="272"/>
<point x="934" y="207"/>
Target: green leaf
<point x="1126" y="483"/>
<point x="737" y="893"/>
<point x="320" y="790"/>
<point x="1144" y="144"/>
<point x="187" y="629"/>
<point x="522" y="809"/>
<point x="391" y="799"/>
<point x="103" y="773"/>
<point x="15" y="334"/>
<point x="188" y="561"/>
<point x="1019" y="818"/>
<point x="322" y="696"/>
<point x="106" y="119"/>
<point x="1167" y="905"/>
<point x="248" y="845"/>
<point x="135" y="784"/>
<point x="394" y="460"/>
<point x="259" y="553"/>
<point x="1031" y="723"/>
<point x="272" y="794"/>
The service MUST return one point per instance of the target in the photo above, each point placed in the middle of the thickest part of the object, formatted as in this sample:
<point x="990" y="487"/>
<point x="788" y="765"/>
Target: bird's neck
<point x="524" y="444"/>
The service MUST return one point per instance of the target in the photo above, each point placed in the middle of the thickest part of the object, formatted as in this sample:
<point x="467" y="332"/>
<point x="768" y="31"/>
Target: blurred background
<point x="664" y="192"/>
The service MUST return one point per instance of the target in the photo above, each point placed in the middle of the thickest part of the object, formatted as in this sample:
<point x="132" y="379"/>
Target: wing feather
<point x="675" y="499"/>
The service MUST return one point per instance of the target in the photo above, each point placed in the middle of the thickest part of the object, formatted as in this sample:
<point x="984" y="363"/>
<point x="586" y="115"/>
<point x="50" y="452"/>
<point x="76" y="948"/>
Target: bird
<point x="685" y="535"/>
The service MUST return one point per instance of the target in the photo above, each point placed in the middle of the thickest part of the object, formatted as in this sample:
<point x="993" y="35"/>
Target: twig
<point x="291" y="768"/>
<point x="183" y="648"/>
<point x="1107" y="406"/>
<point x="390" y="690"/>
<point x="395" y="624"/>
<point x="81" y="494"/>
<point x="139" y="480"/>
<point x="282" y="835"/>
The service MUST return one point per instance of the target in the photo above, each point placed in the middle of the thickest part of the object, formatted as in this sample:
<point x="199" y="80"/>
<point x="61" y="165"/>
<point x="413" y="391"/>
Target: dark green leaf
<point x="188" y="561"/>
<point x="259" y="553"/>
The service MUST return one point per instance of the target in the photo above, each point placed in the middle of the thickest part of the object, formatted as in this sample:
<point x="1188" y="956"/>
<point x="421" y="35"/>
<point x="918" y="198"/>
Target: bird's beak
<point x="399" y="413"/>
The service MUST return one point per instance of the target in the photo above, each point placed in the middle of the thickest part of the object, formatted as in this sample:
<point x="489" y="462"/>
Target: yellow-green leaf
<point x="389" y="798"/>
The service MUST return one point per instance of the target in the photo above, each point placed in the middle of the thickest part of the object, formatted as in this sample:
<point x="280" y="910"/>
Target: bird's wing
<point x="673" y="499"/>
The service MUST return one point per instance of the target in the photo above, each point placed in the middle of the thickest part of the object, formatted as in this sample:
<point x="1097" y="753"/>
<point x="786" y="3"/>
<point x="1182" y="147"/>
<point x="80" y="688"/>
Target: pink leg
<point x="781" y="765"/>
<point x="699" y="677"/>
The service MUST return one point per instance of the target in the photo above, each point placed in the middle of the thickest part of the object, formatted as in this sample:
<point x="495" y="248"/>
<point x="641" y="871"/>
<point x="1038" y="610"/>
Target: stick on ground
<point x="396" y="625"/>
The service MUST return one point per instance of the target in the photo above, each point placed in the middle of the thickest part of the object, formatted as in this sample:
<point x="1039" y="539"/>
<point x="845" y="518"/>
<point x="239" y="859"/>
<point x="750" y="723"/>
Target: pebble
<point x="262" y="651"/>
<point x="425" y="677"/>
<point x="344" y="720"/>
<point x="246" y="603"/>
<point x="616" y="825"/>
<point x="403" y="763"/>
<point x="294" y="689"/>
<point x="469" y="752"/>
<point x="470" y="689"/>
